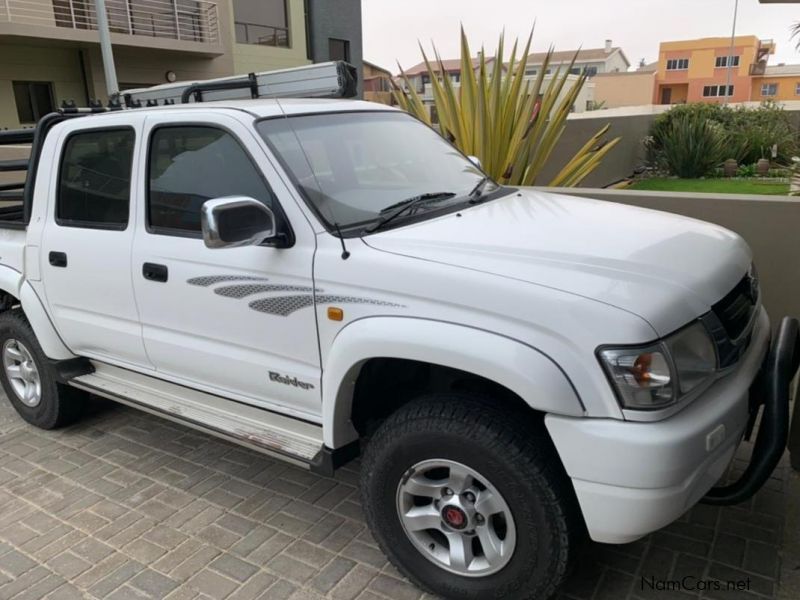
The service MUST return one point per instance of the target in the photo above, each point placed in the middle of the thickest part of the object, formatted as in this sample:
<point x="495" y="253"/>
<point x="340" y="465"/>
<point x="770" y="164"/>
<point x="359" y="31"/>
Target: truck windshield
<point x="351" y="166"/>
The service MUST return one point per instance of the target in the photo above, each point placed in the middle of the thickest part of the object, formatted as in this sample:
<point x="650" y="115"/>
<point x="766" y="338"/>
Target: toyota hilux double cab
<point x="323" y="279"/>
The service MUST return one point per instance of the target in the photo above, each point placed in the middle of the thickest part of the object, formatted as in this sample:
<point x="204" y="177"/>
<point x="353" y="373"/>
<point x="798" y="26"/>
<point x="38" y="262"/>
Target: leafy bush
<point x="746" y="171"/>
<point x="691" y="146"/>
<point x="750" y="133"/>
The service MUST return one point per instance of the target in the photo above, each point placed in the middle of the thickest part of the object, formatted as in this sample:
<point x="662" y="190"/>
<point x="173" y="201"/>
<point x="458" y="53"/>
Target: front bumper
<point x="634" y="478"/>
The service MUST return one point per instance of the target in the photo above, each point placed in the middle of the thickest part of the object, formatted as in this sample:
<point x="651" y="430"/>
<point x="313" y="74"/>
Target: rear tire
<point x="414" y="465"/>
<point x="29" y="378"/>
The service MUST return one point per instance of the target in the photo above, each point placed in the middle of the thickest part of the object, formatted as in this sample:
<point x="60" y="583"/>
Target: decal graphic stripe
<point x="282" y="305"/>
<point x="286" y="305"/>
<point x="212" y="279"/>
<point x="240" y="291"/>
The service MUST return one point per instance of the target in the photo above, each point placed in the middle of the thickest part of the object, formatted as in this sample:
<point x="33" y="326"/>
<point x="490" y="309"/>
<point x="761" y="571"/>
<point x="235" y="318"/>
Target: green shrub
<point x="692" y="146"/>
<point x="746" y="171"/>
<point x="750" y="132"/>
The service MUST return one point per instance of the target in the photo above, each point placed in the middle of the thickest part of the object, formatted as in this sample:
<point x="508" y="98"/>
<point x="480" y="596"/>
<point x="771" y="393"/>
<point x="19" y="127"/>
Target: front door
<point x="238" y="322"/>
<point x="666" y="95"/>
<point x="86" y="242"/>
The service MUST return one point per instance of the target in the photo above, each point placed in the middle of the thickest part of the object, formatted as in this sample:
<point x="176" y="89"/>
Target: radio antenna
<point x="345" y="253"/>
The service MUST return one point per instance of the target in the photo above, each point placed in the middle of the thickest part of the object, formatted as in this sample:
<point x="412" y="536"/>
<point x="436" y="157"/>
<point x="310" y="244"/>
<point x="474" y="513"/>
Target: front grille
<point x="737" y="308"/>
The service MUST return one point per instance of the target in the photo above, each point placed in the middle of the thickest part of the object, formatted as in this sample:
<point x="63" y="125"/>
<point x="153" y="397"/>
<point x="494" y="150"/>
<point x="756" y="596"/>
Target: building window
<point x="769" y="89"/>
<point x="94" y="181"/>
<point x="261" y="22"/>
<point x="591" y="71"/>
<point x="339" y="49"/>
<point x="455" y="77"/>
<point x="716" y="91"/>
<point x="34" y="100"/>
<point x="722" y="61"/>
<point x="531" y="72"/>
<point x="575" y="71"/>
<point x="797" y="89"/>
<point x="677" y="64"/>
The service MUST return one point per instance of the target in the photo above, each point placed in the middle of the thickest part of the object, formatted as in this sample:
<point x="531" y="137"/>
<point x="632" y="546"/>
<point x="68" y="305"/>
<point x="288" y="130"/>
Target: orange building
<point x="697" y="71"/>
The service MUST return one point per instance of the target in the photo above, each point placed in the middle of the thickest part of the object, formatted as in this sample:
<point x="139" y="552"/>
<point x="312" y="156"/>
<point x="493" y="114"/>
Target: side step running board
<point x="283" y="437"/>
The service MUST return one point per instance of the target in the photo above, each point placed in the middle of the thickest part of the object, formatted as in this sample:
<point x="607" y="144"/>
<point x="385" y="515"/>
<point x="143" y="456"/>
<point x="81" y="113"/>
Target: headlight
<point x="659" y="375"/>
<point x="694" y="356"/>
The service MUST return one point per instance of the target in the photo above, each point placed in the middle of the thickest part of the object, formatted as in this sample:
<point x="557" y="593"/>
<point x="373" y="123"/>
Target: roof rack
<point x="336" y="79"/>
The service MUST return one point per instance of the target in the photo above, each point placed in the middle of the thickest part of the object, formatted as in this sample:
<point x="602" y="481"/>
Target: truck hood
<point x="664" y="268"/>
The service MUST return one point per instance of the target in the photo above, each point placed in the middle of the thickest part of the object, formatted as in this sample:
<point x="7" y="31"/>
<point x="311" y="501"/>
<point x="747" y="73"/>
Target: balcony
<point x="191" y="21"/>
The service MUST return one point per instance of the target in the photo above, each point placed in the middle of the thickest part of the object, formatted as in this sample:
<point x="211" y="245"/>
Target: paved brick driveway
<point x="125" y="505"/>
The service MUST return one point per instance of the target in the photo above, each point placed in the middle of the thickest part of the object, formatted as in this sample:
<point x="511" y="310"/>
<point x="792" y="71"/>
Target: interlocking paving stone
<point x="124" y="505"/>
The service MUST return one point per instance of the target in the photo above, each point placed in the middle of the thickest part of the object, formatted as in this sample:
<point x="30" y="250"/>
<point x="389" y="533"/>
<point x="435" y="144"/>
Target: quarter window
<point x="95" y="179"/>
<point x="191" y="164"/>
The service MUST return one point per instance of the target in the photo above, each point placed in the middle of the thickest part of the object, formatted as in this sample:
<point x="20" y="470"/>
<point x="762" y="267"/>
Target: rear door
<point x="238" y="322"/>
<point x="87" y="240"/>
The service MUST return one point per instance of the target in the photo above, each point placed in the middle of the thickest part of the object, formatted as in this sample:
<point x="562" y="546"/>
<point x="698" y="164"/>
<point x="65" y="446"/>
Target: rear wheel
<point x="469" y="501"/>
<point x="29" y="378"/>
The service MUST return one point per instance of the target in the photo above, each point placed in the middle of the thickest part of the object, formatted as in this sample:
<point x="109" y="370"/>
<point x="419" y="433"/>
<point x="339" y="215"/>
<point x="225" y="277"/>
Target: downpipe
<point x="772" y="390"/>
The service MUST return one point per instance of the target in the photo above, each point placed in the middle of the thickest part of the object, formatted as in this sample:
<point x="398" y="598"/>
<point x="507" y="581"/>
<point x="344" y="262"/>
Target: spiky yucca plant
<point x="510" y="123"/>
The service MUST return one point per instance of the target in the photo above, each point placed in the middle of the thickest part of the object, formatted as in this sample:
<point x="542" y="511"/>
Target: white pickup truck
<point x="322" y="279"/>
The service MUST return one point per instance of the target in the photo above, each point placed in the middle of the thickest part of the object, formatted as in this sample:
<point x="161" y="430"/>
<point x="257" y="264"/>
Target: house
<point x="419" y="77"/>
<point x="50" y="51"/>
<point x="779" y="83"/>
<point x="711" y="70"/>
<point x="377" y="84"/>
<point x="609" y="59"/>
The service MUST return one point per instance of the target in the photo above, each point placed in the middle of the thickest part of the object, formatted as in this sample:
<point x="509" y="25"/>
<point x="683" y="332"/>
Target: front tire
<point x="468" y="500"/>
<point x="29" y="378"/>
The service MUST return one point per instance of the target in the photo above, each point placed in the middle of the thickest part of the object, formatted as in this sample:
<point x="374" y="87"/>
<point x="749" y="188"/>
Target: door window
<point x="95" y="179"/>
<point x="191" y="164"/>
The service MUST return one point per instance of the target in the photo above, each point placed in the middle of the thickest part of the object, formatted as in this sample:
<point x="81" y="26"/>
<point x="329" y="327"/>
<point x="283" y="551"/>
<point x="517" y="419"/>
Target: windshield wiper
<point x="477" y="192"/>
<point x="393" y="211"/>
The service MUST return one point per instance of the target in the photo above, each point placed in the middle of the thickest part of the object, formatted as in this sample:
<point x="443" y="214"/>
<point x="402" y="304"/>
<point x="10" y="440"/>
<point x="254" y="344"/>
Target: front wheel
<point x="469" y="501"/>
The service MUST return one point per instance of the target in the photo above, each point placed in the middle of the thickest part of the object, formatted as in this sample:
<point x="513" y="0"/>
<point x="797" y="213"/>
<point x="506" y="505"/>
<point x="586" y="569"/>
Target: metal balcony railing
<point x="187" y="20"/>
<point x="263" y="35"/>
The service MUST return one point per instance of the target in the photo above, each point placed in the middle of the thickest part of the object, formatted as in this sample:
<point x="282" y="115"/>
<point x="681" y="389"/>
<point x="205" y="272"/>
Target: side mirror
<point x="476" y="161"/>
<point x="236" y="221"/>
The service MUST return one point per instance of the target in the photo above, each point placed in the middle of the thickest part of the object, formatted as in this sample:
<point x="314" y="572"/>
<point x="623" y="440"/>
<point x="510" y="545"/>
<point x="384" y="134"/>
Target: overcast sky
<point x="392" y="28"/>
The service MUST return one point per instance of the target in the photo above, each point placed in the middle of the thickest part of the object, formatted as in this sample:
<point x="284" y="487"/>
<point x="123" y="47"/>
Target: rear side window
<point x="191" y="164"/>
<point x="94" y="186"/>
